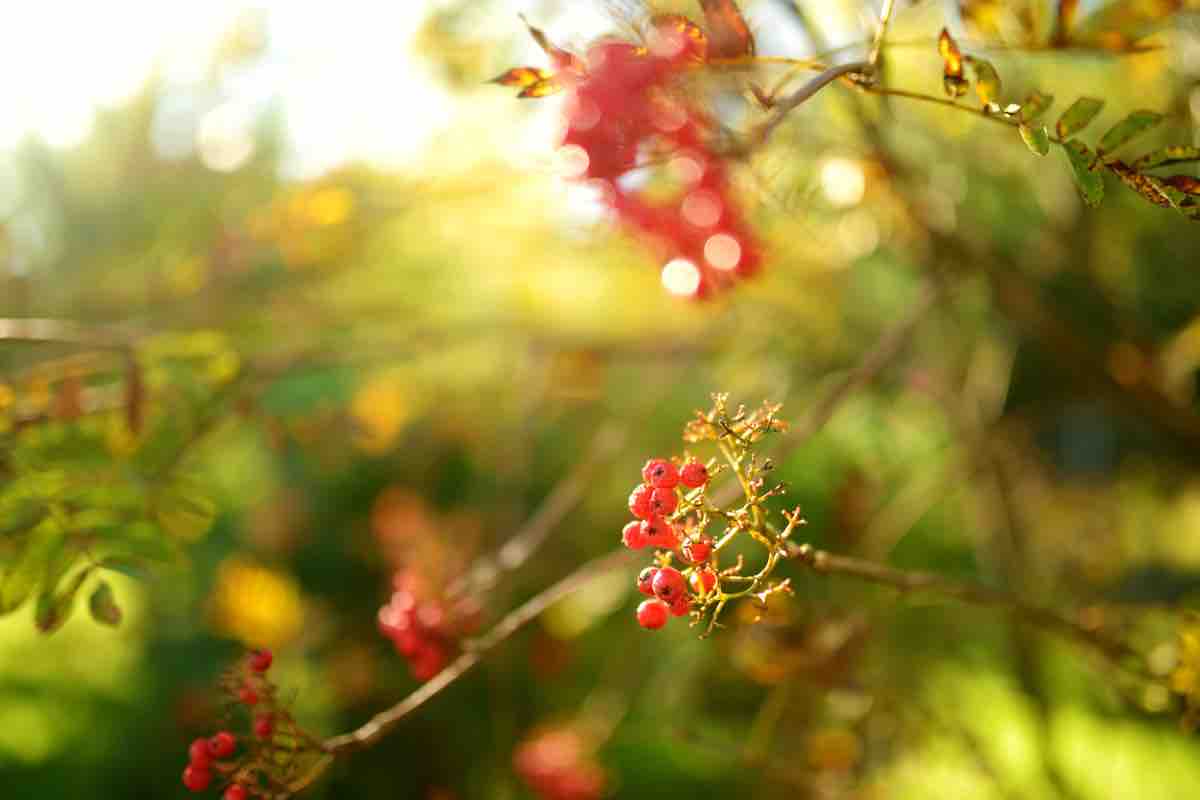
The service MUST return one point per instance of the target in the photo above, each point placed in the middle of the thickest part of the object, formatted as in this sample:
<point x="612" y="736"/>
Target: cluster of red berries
<point x="556" y="765"/>
<point x="424" y="629"/>
<point x="625" y="110"/>
<point x="206" y="756"/>
<point x="660" y="503"/>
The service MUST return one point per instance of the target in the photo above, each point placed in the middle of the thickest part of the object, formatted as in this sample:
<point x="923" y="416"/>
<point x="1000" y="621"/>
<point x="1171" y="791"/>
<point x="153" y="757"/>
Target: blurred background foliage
<point x="275" y="380"/>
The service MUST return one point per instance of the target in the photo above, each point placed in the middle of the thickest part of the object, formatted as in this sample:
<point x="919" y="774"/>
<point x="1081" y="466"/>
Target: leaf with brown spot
<point x="1128" y="129"/>
<point x="953" y="80"/>
<point x="562" y="59"/>
<point x="729" y="35"/>
<point x="1035" y="105"/>
<point x="1078" y="116"/>
<point x="987" y="80"/>
<point x="1148" y="186"/>
<point x="1090" y="183"/>
<point x="522" y="77"/>
<point x="1168" y="156"/>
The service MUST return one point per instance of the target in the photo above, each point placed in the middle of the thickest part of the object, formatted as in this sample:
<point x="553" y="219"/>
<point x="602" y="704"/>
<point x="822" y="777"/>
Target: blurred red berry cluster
<point x="424" y="627"/>
<point x="625" y="110"/>
<point x="557" y="764"/>
<point x="661" y="503"/>
<point x="246" y="776"/>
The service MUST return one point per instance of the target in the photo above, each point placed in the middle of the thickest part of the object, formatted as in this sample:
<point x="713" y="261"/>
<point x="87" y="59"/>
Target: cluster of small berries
<point x="626" y="110"/>
<point x="206" y="756"/>
<point x="425" y="629"/>
<point x="661" y="504"/>
<point x="556" y="764"/>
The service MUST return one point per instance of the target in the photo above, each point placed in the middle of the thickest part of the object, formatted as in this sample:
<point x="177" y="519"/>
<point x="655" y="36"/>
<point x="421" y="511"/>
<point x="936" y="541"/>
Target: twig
<point x="792" y="101"/>
<point x="969" y="593"/>
<point x="57" y="331"/>
<point x="885" y="17"/>
<point x="565" y="496"/>
<point x="379" y="725"/>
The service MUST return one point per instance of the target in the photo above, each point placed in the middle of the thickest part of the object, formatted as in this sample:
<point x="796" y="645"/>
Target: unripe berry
<point x="660" y="473"/>
<point x="652" y="614"/>
<point x="663" y="502"/>
<point x="248" y="696"/>
<point x="668" y="585"/>
<point x="196" y="779"/>
<point x="260" y="660"/>
<point x="703" y="581"/>
<point x="639" y="501"/>
<point x="264" y="726"/>
<point x="693" y="475"/>
<point x="222" y="744"/>
<point x="199" y="754"/>
<point x="697" y="550"/>
<point x="645" y="581"/>
<point x="632" y="537"/>
<point x="235" y="792"/>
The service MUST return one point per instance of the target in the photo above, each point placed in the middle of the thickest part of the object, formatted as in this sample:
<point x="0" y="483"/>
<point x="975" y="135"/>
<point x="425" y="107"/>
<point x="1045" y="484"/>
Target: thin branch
<point x="885" y="17"/>
<point x="805" y="92"/>
<point x="379" y="725"/>
<point x="562" y="499"/>
<point x="968" y="593"/>
<point x="57" y="331"/>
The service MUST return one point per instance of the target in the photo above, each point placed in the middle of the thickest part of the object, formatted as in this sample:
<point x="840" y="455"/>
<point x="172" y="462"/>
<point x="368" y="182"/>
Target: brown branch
<point x="379" y="725"/>
<point x="56" y="331"/>
<point x="562" y="499"/>
<point x="968" y="593"/>
<point x="804" y="93"/>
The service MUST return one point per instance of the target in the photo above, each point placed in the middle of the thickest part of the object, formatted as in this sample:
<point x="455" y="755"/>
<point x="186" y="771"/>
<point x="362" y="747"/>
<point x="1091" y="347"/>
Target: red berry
<point x="652" y="614"/>
<point x="639" y="501"/>
<point x="264" y="726"/>
<point x="680" y="606"/>
<point x="222" y="744"/>
<point x="703" y="581"/>
<point x="199" y="754"/>
<point x="693" y="475"/>
<point x="248" y="696"/>
<point x="631" y="536"/>
<point x="668" y="585"/>
<point x="697" y="550"/>
<point x="260" y="660"/>
<point x="645" y="581"/>
<point x="235" y="792"/>
<point x="660" y="473"/>
<point x="428" y="661"/>
<point x="657" y="532"/>
<point x="196" y="779"/>
<point x="663" y="502"/>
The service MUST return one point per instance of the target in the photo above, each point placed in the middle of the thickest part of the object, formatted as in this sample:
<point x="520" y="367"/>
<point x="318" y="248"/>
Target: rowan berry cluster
<point x="628" y="110"/>
<point x="268" y="755"/>
<point x="557" y="764"/>
<point x="674" y="510"/>
<point x="425" y="628"/>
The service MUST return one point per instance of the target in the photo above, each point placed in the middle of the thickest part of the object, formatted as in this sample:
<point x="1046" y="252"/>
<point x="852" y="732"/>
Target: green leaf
<point x="987" y="81"/>
<point x="104" y="606"/>
<point x="1167" y="156"/>
<point x="1035" y="138"/>
<point x="185" y="512"/>
<point x="1090" y="183"/>
<point x="24" y="575"/>
<point x="1078" y="116"/>
<point x="1035" y="105"/>
<point x="1128" y="129"/>
<point x="55" y="605"/>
